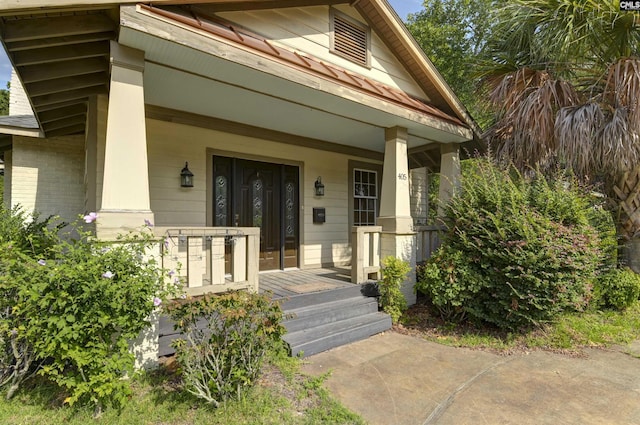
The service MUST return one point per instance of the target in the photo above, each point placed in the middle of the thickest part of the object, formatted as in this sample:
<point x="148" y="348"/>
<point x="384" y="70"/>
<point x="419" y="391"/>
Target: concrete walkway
<point x="394" y="379"/>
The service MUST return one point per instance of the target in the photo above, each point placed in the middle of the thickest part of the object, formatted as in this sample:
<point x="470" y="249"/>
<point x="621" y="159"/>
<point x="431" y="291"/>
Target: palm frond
<point x="525" y="130"/>
<point x="617" y="147"/>
<point x="575" y="131"/>
<point x="622" y="89"/>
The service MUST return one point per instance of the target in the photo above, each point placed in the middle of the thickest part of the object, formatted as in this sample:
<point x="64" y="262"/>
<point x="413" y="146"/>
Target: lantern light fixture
<point x="319" y="187"/>
<point x="186" y="176"/>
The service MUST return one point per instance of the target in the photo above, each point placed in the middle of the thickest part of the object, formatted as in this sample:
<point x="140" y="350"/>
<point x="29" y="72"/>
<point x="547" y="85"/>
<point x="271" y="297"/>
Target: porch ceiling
<point x="62" y="59"/>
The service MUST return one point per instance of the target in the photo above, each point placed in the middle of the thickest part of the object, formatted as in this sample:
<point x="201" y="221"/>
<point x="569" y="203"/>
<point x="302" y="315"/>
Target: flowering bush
<point x="31" y="236"/>
<point x="78" y="304"/>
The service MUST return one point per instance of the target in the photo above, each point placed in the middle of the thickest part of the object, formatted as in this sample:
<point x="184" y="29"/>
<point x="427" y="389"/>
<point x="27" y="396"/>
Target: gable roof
<point x="378" y="13"/>
<point x="386" y="22"/>
<point x="221" y="28"/>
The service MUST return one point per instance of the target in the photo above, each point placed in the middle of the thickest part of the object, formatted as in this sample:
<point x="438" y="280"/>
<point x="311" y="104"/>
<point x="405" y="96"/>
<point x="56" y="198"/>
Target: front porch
<point x="291" y="283"/>
<point x="323" y="307"/>
<point x="221" y="259"/>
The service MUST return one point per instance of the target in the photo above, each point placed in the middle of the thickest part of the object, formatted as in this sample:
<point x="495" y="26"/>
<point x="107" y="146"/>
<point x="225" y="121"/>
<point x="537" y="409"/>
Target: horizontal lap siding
<point x="170" y="145"/>
<point x="7" y="180"/>
<point x="307" y="30"/>
<point x="419" y="187"/>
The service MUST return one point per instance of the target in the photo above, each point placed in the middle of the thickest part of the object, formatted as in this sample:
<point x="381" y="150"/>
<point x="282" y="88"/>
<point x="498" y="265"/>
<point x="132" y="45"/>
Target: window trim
<point x="366" y="166"/>
<point x="333" y="14"/>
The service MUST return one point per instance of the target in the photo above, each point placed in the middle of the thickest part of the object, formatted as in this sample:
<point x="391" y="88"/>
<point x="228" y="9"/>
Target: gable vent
<point x="350" y="40"/>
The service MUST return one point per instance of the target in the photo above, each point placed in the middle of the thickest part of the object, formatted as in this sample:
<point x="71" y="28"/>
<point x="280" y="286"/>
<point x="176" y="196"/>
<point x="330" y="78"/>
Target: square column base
<point x="146" y="347"/>
<point x="111" y="223"/>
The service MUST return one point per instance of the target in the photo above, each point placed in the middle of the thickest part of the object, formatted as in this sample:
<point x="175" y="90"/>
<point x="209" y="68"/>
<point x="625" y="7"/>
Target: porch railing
<point x="212" y="259"/>
<point x="365" y="253"/>
<point x="428" y="241"/>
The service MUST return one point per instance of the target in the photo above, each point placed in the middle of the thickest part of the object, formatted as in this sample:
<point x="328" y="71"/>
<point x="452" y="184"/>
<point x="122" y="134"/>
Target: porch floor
<point x="289" y="283"/>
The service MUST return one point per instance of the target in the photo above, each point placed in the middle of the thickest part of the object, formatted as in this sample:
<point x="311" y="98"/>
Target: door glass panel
<point x="222" y="201"/>
<point x="256" y="195"/>
<point x="290" y="213"/>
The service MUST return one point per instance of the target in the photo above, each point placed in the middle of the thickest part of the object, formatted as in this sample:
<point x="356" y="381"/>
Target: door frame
<point x="211" y="152"/>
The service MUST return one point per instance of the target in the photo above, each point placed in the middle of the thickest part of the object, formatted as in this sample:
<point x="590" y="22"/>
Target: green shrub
<point x="31" y="237"/>
<point x="392" y="301"/>
<point x="618" y="289"/>
<point x="225" y="339"/>
<point x="450" y="281"/>
<point x="517" y="251"/>
<point x="28" y="233"/>
<point x="78" y="307"/>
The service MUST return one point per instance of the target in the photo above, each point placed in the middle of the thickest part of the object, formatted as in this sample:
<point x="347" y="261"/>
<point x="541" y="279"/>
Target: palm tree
<point x="564" y="79"/>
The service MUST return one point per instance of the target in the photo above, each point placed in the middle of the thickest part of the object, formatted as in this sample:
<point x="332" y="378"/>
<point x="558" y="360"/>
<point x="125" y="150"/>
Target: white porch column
<point x="449" y="175"/>
<point x="125" y="202"/>
<point x="125" y="191"/>
<point x="398" y="238"/>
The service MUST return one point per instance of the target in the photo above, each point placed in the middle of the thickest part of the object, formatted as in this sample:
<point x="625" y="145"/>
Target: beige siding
<point x="171" y="145"/>
<point x="18" y="102"/>
<point x="419" y="188"/>
<point x="47" y="175"/>
<point x="7" y="179"/>
<point x="307" y="30"/>
<point x="101" y="137"/>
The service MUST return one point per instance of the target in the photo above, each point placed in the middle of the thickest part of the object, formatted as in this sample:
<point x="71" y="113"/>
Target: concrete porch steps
<point x="320" y="321"/>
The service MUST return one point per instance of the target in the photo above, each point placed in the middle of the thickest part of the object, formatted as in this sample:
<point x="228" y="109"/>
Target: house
<point x="256" y="135"/>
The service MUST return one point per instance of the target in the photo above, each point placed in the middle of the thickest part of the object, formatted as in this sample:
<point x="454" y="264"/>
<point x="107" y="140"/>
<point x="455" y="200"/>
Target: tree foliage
<point x="4" y="101"/>
<point x="453" y="34"/>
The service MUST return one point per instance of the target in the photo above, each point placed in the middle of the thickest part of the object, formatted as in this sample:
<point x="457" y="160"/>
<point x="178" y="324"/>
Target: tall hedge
<point x="517" y="251"/>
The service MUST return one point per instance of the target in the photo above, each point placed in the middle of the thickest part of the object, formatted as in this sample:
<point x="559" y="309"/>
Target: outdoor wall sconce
<point x="319" y="187"/>
<point x="186" y="176"/>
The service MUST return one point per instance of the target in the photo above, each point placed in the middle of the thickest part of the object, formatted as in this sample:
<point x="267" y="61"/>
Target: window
<point x="349" y="38"/>
<point x="365" y="197"/>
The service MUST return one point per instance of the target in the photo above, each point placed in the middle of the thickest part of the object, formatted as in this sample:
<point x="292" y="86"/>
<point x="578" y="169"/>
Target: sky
<point x="402" y="8"/>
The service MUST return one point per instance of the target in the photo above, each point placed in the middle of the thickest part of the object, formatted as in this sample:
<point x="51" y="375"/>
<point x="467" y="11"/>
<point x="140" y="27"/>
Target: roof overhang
<point x="379" y="14"/>
<point x="340" y="114"/>
<point x="29" y="6"/>
<point x="62" y="59"/>
<point x="20" y="125"/>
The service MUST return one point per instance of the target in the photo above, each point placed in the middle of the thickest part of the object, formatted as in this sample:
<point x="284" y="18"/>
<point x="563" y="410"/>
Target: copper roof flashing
<point x="302" y="61"/>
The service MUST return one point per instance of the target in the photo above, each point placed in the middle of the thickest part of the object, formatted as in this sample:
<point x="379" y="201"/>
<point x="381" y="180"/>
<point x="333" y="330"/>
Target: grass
<point x="570" y="332"/>
<point x="282" y="396"/>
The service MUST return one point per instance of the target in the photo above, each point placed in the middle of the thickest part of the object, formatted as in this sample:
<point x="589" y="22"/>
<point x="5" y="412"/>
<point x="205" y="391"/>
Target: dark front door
<point x="264" y="195"/>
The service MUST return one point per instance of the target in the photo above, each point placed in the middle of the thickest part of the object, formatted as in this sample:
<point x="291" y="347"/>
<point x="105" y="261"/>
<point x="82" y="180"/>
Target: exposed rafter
<point x="425" y="156"/>
<point x="77" y="67"/>
<point x="62" y="59"/>
<point x="38" y="28"/>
